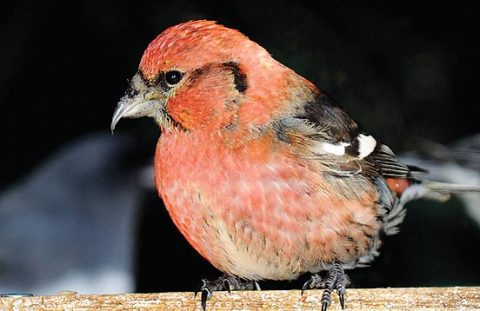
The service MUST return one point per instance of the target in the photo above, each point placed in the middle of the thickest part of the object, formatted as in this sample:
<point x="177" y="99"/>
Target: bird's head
<point x="202" y="75"/>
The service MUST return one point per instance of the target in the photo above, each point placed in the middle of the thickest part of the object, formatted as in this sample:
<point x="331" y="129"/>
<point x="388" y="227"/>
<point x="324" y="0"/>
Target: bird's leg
<point x="225" y="282"/>
<point x="336" y="279"/>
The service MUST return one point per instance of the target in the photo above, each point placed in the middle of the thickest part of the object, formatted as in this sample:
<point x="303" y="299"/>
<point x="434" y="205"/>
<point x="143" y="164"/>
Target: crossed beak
<point x="140" y="101"/>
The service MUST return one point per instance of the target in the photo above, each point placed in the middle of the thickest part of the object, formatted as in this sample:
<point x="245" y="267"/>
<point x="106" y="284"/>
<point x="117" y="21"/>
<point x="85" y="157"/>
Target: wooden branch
<point x="434" y="298"/>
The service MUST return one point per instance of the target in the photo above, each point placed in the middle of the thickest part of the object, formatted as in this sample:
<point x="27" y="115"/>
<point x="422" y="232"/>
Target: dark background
<point x="405" y="70"/>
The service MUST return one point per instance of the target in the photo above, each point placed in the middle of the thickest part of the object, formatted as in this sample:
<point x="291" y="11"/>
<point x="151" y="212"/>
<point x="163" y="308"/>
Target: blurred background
<point x="77" y="206"/>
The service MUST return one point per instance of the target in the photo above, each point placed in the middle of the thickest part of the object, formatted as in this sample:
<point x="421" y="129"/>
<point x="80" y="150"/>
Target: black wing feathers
<point x="388" y="164"/>
<point x="327" y="114"/>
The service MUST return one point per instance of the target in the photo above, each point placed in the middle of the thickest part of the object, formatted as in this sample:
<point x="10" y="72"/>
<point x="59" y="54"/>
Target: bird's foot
<point x="336" y="279"/>
<point x="228" y="283"/>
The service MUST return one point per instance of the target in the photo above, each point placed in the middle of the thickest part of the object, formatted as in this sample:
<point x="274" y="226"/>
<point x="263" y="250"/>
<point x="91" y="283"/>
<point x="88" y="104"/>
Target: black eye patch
<point x="240" y="78"/>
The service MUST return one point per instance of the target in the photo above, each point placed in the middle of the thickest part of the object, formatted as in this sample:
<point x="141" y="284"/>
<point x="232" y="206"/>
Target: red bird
<point x="263" y="173"/>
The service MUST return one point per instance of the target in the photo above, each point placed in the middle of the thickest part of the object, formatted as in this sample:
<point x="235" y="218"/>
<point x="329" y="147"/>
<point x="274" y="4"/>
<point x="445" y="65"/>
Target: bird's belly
<point x="265" y="220"/>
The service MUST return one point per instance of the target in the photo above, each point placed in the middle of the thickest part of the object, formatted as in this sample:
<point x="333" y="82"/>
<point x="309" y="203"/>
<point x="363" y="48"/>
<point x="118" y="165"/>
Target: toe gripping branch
<point x="336" y="279"/>
<point x="228" y="283"/>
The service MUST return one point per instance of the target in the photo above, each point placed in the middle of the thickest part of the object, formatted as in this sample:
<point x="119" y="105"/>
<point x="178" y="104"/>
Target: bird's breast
<point x="262" y="214"/>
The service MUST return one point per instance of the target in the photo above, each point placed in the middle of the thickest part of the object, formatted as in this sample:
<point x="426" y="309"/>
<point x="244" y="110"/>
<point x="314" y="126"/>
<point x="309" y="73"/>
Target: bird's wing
<point x="324" y="131"/>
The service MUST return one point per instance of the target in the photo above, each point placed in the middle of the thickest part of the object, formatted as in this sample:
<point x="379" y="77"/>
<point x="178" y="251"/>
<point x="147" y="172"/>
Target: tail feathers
<point x="435" y="190"/>
<point x="432" y="190"/>
<point x="449" y="188"/>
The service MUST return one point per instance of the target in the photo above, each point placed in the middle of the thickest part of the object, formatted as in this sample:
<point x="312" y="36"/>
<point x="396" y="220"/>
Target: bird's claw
<point x="200" y="287"/>
<point x="341" y="297"/>
<point x="336" y="279"/>
<point x="228" y="283"/>
<point x="315" y="281"/>
<point x="326" y="298"/>
<point x="206" y="287"/>
<point x="206" y="294"/>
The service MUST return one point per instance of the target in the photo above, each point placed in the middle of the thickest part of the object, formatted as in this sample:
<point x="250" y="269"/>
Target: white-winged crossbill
<point x="263" y="173"/>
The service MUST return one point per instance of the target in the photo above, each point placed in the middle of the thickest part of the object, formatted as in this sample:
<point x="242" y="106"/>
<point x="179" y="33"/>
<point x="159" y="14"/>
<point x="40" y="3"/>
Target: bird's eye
<point x="173" y="77"/>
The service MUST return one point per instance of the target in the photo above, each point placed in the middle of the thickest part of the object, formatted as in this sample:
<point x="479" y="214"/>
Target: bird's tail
<point x="435" y="190"/>
<point x="458" y="169"/>
<point x="449" y="188"/>
<point x="432" y="190"/>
